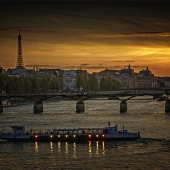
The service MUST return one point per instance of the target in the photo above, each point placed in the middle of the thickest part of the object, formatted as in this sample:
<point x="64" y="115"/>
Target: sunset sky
<point x="92" y="35"/>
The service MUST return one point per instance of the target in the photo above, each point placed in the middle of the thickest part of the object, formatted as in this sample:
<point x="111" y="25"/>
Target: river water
<point x="144" y="114"/>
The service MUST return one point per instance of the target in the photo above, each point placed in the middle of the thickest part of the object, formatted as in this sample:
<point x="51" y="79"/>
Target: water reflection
<point x="75" y="155"/>
<point x="90" y="149"/>
<point x="51" y="146"/>
<point x="59" y="147"/>
<point x="74" y="149"/>
<point x="66" y="147"/>
<point x="103" y="147"/>
<point x="36" y="147"/>
<point x="97" y="147"/>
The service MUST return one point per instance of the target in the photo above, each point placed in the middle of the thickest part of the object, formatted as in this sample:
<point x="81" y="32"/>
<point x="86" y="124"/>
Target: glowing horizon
<point x="69" y="36"/>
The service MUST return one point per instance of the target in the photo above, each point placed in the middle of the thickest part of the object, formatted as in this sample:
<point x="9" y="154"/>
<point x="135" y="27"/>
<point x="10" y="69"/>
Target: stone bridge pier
<point x="167" y="106"/>
<point x="1" y="107"/>
<point x="123" y="106"/>
<point x="80" y="107"/>
<point x="38" y="107"/>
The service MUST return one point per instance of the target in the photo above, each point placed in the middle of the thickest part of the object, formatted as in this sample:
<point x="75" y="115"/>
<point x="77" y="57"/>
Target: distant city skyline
<point x="93" y="36"/>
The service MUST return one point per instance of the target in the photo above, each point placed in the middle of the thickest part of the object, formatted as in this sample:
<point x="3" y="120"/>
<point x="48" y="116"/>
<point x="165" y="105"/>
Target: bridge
<point x="81" y="96"/>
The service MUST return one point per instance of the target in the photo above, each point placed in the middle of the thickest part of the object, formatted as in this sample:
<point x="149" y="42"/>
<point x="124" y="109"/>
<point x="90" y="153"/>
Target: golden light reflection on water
<point x="66" y="147"/>
<point x="103" y="147"/>
<point x="74" y="151"/>
<point x="59" y="147"/>
<point x="51" y="146"/>
<point x="90" y="149"/>
<point x="36" y="147"/>
<point x="97" y="147"/>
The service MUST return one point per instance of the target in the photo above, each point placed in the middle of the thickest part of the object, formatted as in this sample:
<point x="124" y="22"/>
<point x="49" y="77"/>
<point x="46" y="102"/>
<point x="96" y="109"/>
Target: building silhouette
<point x="127" y="70"/>
<point x="20" y="62"/>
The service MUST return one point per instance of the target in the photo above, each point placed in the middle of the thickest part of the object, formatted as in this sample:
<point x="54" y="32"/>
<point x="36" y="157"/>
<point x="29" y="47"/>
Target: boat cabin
<point x="18" y="130"/>
<point x="110" y="130"/>
<point x="78" y="130"/>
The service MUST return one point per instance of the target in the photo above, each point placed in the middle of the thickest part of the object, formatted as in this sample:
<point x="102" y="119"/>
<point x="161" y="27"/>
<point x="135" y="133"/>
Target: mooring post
<point x="1" y="107"/>
<point x="80" y="107"/>
<point x="38" y="107"/>
<point x="167" y="106"/>
<point x="123" y="106"/>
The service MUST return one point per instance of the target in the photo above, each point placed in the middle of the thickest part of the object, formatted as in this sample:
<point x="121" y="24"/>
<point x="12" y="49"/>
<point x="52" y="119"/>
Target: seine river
<point x="146" y="115"/>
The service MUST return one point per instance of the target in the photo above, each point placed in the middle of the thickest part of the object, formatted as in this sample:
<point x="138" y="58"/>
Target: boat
<point x="70" y="134"/>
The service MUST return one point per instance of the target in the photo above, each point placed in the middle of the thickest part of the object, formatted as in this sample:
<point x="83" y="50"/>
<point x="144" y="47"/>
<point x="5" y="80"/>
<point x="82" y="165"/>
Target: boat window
<point x="18" y="128"/>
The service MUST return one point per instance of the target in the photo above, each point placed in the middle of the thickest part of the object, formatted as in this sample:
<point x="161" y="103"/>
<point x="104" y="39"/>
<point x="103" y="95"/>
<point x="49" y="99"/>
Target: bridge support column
<point x="1" y="107"/>
<point x="38" y="107"/>
<point x="8" y="103"/>
<point x="154" y="97"/>
<point x="79" y="107"/>
<point x="167" y="106"/>
<point x="123" y="106"/>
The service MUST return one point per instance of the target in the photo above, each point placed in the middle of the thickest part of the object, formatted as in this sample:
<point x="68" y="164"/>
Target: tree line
<point x="22" y="84"/>
<point x="19" y="85"/>
<point x="90" y="82"/>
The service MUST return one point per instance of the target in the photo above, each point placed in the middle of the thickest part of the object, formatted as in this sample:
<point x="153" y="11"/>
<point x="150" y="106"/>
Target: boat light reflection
<point x="74" y="153"/>
<point x="51" y="146"/>
<point x="59" y="146"/>
<point x="36" y="147"/>
<point x="66" y="148"/>
<point x="103" y="147"/>
<point x="97" y="147"/>
<point x="90" y="149"/>
<point x="73" y="149"/>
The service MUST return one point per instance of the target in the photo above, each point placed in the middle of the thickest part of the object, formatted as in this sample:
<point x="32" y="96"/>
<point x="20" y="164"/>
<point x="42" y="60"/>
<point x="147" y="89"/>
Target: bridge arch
<point x="130" y="93"/>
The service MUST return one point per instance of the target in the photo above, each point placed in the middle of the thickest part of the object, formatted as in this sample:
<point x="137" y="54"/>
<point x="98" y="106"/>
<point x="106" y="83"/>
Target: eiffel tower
<point x="20" y="63"/>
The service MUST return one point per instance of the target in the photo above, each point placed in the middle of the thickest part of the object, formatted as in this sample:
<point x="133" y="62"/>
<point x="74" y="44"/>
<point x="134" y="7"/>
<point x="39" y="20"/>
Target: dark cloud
<point x="86" y="64"/>
<point x="123" y="61"/>
<point x="87" y="21"/>
<point x="111" y="16"/>
<point x="140" y="34"/>
<point x="137" y="66"/>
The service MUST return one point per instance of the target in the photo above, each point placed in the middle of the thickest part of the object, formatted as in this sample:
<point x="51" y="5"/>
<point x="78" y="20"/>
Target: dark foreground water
<point x="152" y="151"/>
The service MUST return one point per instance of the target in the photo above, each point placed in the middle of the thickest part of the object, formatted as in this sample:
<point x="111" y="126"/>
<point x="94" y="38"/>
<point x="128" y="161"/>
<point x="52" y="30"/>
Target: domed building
<point x="146" y="73"/>
<point x="127" y="70"/>
<point x="127" y="77"/>
<point x="145" y="79"/>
